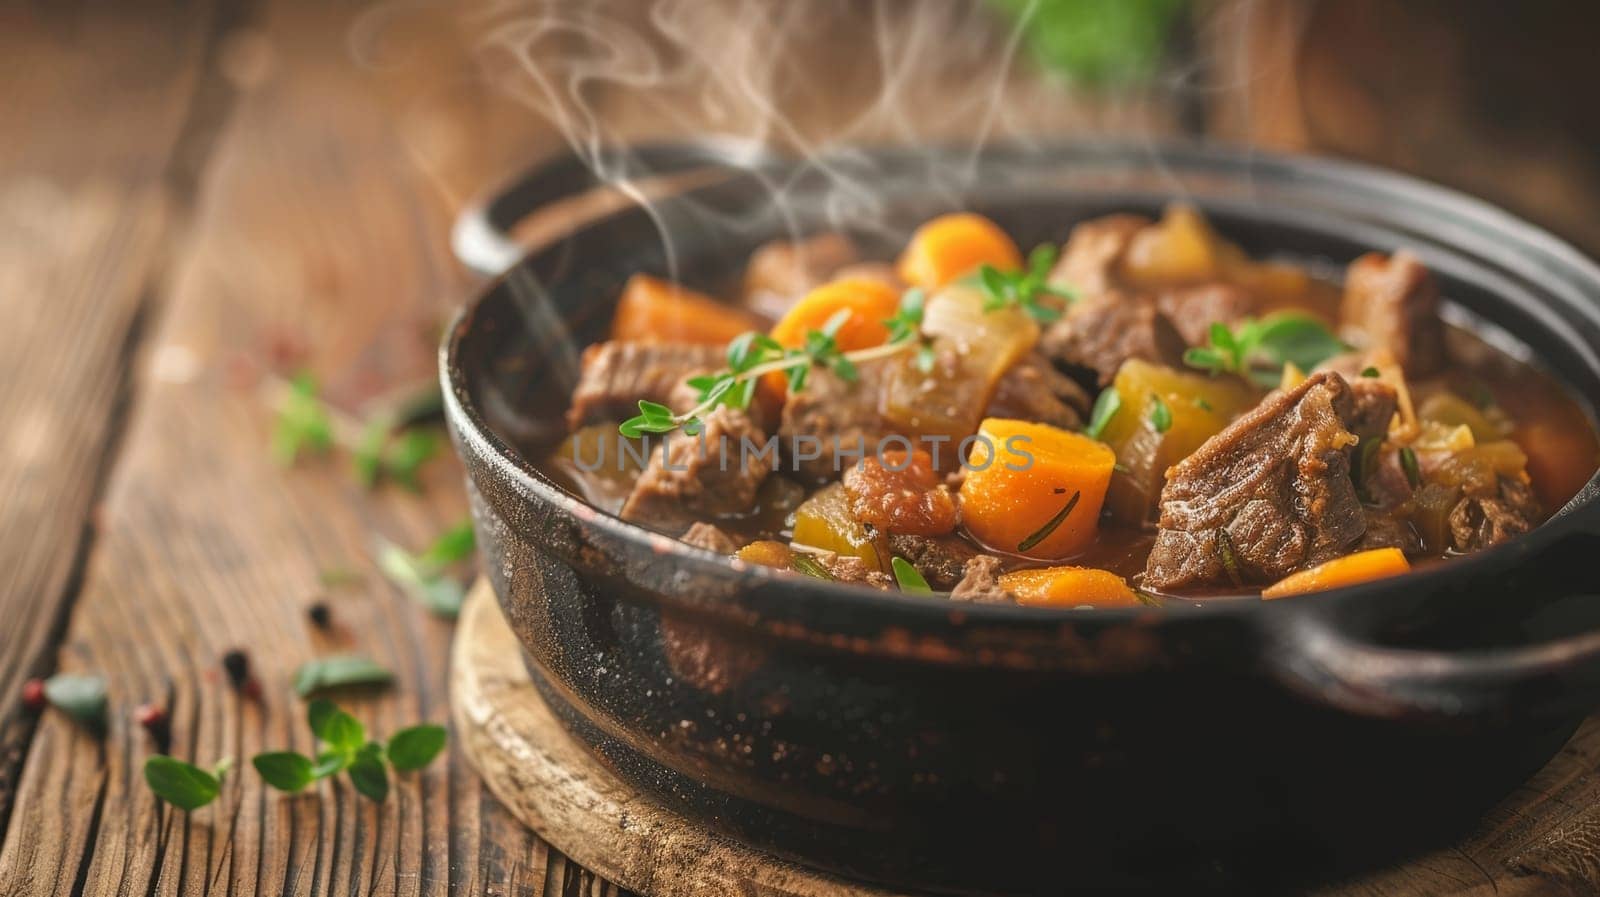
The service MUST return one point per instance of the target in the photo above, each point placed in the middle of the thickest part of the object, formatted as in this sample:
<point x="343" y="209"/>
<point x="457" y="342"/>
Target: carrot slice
<point x="868" y="301"/>
<point x="1363" y="566"/>
<point x="654" y="310"/>
<point x="1034" y="489"/>
<point x="954" y="245"/>
<point x="1069" y="587"/>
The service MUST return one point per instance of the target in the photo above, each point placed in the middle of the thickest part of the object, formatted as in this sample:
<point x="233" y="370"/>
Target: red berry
<point x="33" y="695"/>
<point x="148" y="715"/>
<point x="153" y="717"/>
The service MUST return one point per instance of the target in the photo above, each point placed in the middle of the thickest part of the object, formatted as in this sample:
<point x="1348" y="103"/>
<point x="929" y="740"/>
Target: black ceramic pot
<point x="957" y="747"/>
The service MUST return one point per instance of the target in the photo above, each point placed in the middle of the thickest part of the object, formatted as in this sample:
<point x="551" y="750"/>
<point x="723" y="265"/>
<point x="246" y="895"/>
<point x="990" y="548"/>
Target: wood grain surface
<point x="194" y="197"/>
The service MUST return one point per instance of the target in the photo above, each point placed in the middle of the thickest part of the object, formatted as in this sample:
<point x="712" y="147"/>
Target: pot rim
<point x="470" y="425"/>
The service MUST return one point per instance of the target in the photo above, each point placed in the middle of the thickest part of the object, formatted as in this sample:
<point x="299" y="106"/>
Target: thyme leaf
<point x="1050" y="525"/>
<point x="907" y="576"/>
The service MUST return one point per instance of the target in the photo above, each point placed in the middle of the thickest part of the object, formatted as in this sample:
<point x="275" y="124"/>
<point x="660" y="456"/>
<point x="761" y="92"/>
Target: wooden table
<point x="189" y="195"/>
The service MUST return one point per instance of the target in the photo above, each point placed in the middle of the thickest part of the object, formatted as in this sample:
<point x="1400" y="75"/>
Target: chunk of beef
<point x="710" y="537"/>
<point x="1375" y="405"/>
<point x="1100" y="332"/>
<point x="1477" y="522"/>
<point x="847" y="568"/>
<point x="705" y="475"/>
<point x="1386" y="530"/>
<point x="617" y="374"/>
<point x="1392" y="302"/>
<point x="1193" y="309"/>
<point x="782" y="271"/>
<point x="1267" y="496"/>
<point x="831" y="412"/>
<point x="980" y="582"/>
<point x="941" y="560"/>
<point x="1089" y="259"/>
<point x="1034" y="390"/>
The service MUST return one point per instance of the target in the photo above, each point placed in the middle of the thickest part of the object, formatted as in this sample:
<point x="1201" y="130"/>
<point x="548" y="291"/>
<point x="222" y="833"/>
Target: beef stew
<point x="1143" y="414"/>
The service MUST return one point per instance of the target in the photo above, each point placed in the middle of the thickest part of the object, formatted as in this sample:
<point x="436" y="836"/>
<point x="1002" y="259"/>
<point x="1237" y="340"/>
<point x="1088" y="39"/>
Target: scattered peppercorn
<point x="153" y="717"/>
<point x="33" y="695"/>
<point x="237" y="665"/>
<point x="319" y="614"/>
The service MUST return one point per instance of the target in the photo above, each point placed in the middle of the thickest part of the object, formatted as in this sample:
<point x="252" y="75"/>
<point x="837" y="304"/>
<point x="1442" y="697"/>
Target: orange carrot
<point x="1363" y="566"/>
<point x="869" y="302"/>
<point x="653" y="310"/>
<point x="954" y="245"/>
<point x="1034" y="489"/>
<point x="1069" y="587"/>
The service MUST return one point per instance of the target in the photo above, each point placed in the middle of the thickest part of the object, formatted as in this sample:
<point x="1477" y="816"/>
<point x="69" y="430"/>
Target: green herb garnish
<point x="425" y="577"/>
<point x="1050" y="525"/>
<point x="1160" y="414"/>
<point x="79" y="696"/>
<point x="810" y="566"/>
<point x="1408" y="463"/>
<point x="907" y="576"/>
<point x="1106" y="407"/>
<point x="303" y="424"/>
<point x="284" y="770"/>
<point x="1258" y="349"/>
<point x="753" y="355"/>
<point x="345" y="748"/>
<point x="415" y="747"/>
<point x="183" y="785"/>
<point x="337" y="671"/>
<point x="1230" y="560"/>
<point x="1370" y="372"/>
<point x="1026" y="288"/>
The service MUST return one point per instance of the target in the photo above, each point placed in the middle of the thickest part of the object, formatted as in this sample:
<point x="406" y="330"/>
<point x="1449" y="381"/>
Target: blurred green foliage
<point x="1096" y="41"/>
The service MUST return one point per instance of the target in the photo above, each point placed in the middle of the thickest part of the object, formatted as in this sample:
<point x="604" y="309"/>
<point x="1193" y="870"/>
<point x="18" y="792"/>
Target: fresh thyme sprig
<point x="753" y="355"/>
<point x="1024" y="289"/>
<point x="1258" y="349"/>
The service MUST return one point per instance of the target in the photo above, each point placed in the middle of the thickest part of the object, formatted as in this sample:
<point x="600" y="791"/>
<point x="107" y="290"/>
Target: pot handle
<point x="482" y="238"/>
<point x="1326" y="652"/>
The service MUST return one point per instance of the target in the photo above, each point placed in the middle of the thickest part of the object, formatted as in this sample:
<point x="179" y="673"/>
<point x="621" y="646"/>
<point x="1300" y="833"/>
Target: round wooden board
<point x="551" y="783"/>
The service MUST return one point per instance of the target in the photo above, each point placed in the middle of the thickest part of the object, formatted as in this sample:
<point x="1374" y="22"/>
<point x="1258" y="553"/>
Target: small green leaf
<point x="925" y="359"/>
<point x="908" y="577"/>
<point x="367" y="773"/>
<point x="222" y="768"/>
<point x="810" y="566"/>
<point x="318" y="715"/>
<point x="1160" y="414"/>
<point x="284" y="770"/>
<point x="422" y="582"/>
<point x="79" y="696"/>
<point x="183" y="785"/>
<point x="404" y="457"/>
<point x="415" y="747"/>
<point x="830" y="327"/>
<point x="1105" y="408"/>
<point x="343" y="733"/>
<point x="338" y="670"/>
<point x="454" y="545"/>
<point x="1408" y="463"/>
<point x="1369" y="372"/>
<point x="1298" y="339"/>
<point x="303" y="424"/>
